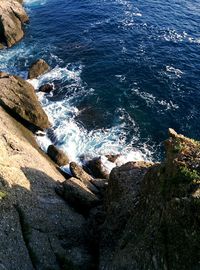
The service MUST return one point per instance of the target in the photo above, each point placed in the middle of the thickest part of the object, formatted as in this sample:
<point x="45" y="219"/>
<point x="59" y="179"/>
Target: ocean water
<point x="123" y="72"/>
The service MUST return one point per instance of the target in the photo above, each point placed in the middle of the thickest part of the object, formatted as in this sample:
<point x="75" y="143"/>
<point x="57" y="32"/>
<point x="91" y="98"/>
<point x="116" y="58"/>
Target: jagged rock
<point x="38" y="68"/>
<point x="158" y="225"/>
<point x="46" y="88"/>
<point x="97" y="168"/>
<point x="101" y="184"/>
<point x="19" y="97"/>
<point x="12" y="18"/>
<point x="79" y="173"/>
<point x="38" y="229"/>
<point x="57" y="155"/>
<point x="78" y="195"/>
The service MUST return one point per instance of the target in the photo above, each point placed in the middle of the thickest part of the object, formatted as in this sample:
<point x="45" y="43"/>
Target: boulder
<point x="79" y="173"/>
<point x="98" y="169"/>
<point x="57" y="155"/>
<point x="46" y="88"/>
<point x="153" y="214"/>
<point x="78" y="195"/>
<point x="12" y="18"/>
<point x="18" y="96"/>
<point x="37" y="69"/>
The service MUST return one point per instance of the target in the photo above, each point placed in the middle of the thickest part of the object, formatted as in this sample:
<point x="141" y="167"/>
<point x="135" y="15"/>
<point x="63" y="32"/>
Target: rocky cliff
<point x="38" y="230"/>
<point x="141" y="216"/>
<point x="153" y="212"/>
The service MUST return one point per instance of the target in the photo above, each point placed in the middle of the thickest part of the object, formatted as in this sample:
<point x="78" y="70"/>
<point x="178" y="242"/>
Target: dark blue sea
<point x="123" y="71"/>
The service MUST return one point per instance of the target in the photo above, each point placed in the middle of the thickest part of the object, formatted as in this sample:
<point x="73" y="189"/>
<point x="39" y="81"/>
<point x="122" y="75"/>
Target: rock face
<point x="57" y="155"/>
<point x="153" y="214"/>
<point x="19" y="97"/>
<point x="38" y="229"/>
<point x="79" y="173"/>
<point x="79" y="196"/>
<point x="12" y="18"/>
<point x="38" y="68"/>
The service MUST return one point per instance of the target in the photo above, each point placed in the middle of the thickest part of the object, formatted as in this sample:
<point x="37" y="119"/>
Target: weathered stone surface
<point x="101" y="184"/>
<point x="57" y="155"/>
<point x="38" y="68"/>
<point x="78" y="195"/>
<point x="19" y="97"/>
<point x="38" y="229"/>
<point x="153" y="218"/>
<point x="121" y="197"/>
<point x="79" y="173"/>
<point x="12" y="18"/>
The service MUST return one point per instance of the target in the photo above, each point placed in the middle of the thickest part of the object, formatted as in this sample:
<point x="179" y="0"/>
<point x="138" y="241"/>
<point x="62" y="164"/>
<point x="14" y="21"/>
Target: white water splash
<point x="70" y="135"/>
<point x="34" y="2"/>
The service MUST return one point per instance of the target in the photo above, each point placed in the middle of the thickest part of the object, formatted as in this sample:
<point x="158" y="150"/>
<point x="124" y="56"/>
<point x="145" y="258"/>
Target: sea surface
<point x="123" y="71"/>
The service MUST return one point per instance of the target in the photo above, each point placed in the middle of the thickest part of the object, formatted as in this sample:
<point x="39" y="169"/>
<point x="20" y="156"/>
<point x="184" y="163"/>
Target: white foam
<point x="194" y="40"/>
<point x="70" y="135"/>
<point x="175" y="71"/>
<point x="34" y="2"/>
<point x="151" y="100"/>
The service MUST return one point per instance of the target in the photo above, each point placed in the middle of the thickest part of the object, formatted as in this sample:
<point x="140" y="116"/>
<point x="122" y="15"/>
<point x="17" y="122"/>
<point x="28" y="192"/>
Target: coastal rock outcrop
<point x="57" y="155"/>
<point x="37" y="68"/>
<point x="153" y="212"/>
<point x="18" y="96"/>
<point x="38" y="229"/>
<point x="12" y="19"/>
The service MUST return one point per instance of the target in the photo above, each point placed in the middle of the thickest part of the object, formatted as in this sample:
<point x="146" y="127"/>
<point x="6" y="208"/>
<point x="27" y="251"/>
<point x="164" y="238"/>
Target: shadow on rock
<point x="39" y="230"/>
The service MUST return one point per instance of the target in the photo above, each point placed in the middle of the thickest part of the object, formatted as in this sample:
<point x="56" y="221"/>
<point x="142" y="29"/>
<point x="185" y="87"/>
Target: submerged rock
<point x="38" y="68"/>
<point x="46" y="88"/>
<point x="18" y="96"/>
<point x="153" y="213"/>
<point x="12" y="18"/>
<point x="57" y="155"/>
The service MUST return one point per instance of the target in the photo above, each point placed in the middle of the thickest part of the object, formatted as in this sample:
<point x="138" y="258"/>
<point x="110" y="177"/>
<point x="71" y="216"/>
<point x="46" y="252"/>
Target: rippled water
<point x="123" y="72"/>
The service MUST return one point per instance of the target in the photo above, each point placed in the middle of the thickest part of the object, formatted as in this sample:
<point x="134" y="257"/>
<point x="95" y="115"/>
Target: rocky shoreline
<point x="140" y="216"/>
